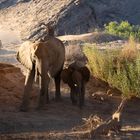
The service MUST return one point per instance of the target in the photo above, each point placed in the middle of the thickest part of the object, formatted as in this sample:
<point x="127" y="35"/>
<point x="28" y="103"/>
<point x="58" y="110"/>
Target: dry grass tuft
<point x="119" y="67"/>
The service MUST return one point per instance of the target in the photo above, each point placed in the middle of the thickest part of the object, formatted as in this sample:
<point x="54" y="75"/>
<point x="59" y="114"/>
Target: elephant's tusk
<point x="36" y="74"/>
<point x="49" y="75"/>
<point x="75" y="85"/>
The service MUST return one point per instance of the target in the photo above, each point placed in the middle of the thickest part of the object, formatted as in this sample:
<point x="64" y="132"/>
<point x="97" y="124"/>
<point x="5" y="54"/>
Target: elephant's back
<point x="56" y="54"/>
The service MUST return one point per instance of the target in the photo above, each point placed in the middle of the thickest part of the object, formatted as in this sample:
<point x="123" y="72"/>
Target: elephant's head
<point x="76" y="78"/>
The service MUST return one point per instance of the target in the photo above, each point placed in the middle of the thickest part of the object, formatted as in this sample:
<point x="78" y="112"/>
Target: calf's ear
<point x="65" y="75"/>
<point x="85" y="73"/>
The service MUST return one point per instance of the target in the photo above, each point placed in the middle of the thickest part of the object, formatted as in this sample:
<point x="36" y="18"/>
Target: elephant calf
<point x="76" y="76"/>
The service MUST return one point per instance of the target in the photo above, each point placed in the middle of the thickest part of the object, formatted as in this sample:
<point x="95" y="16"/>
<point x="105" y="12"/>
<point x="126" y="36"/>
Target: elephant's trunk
<point x="82" y="95"/>
<point x="36" y="74"/>
<point x="44" y="82"/>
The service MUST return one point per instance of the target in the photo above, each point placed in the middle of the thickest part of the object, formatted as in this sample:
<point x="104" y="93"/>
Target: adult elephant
<point x="43" y="59"/>
<point x="76" y="76"/>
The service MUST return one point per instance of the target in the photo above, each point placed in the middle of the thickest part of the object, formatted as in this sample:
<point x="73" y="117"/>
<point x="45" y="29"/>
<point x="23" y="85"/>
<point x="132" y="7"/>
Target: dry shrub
<point x="89" y="123"/>
<point x="123" y="29"/>
<point x="130" y="51"/>
<point x="119" y="67"/>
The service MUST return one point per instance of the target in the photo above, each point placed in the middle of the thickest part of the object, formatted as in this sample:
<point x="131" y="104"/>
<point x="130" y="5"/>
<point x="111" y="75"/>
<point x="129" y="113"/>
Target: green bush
<point x="123" y="29"/>
<point x="119" y="67"/>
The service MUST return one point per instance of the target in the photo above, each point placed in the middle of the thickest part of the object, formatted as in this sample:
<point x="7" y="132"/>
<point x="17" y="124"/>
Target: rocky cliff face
<point x="68" y="16"/>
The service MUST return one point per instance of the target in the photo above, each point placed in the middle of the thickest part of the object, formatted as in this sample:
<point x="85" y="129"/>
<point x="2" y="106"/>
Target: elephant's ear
<point x="66" y="75"/>
<point x="24" y="54"/>
<point x="85" y="73"/>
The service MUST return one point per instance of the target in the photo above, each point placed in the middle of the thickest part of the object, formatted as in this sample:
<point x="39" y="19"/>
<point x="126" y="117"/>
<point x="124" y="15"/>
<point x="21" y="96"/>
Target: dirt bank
<point x="57" y="117"/>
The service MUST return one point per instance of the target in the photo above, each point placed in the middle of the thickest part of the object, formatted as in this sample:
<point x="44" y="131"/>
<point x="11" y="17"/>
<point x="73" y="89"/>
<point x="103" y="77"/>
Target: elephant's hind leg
<point x="27" y="90"/>
<point x="57" y="79"/>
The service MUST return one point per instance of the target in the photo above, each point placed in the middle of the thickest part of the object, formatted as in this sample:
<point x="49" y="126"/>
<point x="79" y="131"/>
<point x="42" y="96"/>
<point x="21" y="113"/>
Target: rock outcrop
<point x="68" y="16"/>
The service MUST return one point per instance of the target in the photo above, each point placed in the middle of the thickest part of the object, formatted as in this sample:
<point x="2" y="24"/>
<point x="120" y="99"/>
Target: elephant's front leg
<point x="27" y="90"/>
<point x="44" y="95"/>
